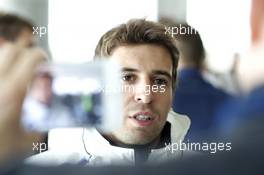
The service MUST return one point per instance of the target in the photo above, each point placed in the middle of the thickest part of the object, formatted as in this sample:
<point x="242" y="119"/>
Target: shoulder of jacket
<point x="180" y="125"/>
<point x="54" y="158"/>
<point x="183" y="120"/>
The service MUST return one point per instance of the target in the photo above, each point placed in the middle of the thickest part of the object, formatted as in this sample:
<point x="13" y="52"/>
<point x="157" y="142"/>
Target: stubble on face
<point x="144" y="63"/>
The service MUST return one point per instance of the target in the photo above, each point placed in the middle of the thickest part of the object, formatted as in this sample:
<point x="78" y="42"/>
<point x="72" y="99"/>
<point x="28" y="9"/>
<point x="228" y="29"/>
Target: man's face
<point x="145" y="111"/>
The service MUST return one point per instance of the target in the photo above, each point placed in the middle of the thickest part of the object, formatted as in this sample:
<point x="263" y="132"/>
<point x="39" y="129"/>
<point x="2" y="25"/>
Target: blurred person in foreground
<point x="16" y="29"/>
<point x="16" y="70"/>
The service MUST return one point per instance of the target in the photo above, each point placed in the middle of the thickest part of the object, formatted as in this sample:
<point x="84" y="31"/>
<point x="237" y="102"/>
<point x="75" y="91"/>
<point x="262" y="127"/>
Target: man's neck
<point x="158" y="142"/>
<point x="115" y="142"/>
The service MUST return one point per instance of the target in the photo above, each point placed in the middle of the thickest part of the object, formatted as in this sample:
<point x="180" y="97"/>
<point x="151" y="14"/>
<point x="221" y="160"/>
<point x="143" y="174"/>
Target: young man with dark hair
<point x="148" y="58"/>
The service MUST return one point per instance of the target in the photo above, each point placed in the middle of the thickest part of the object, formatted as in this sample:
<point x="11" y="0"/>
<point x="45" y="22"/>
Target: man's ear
<point x="256" y="19"/>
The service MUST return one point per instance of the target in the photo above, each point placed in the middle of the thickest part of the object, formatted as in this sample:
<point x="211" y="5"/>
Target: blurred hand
<point x="251" y="67"/>
<point x="17" y="66"/>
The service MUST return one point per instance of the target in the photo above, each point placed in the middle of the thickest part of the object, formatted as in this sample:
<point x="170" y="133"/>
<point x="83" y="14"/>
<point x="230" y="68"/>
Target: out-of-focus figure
<point x="42" y="108"/>
<point x="194" y="96"/>
<point x="227" y="81"/>
<point x="248" y="108"/>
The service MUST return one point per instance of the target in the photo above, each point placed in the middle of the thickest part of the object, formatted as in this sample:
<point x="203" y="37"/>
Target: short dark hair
<point x="12" y="25"/>
<point x="190" y="46"/>
<point x="138" y="31"/>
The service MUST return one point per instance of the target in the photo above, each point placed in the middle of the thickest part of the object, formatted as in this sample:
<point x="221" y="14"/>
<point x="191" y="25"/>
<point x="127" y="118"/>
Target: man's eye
<point x="160" y="81"/>
<point x="128" y="78"/>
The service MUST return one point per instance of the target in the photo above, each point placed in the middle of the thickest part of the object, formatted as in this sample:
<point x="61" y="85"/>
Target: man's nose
<point x="143" y="92"/>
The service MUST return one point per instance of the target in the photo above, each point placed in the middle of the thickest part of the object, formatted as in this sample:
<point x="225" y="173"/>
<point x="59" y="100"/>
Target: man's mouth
<point x="143" y="118"/>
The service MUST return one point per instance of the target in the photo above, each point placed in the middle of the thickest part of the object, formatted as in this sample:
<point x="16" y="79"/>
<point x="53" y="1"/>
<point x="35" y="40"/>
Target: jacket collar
<point x="95" y="144"/>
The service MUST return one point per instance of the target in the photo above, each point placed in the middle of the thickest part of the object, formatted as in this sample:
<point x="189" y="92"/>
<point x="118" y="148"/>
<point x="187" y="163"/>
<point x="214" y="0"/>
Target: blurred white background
<point x="224" y="28"/>
<point x="75" y="26"/>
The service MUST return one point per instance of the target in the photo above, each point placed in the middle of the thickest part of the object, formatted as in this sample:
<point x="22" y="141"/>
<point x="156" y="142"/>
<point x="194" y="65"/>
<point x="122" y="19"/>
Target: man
<point x="195" y="96"/>
<point x="16" y="71"/>
<point x="148" y="58"/>
<point x="18" y="60"/>
<point x="16" y="30"/>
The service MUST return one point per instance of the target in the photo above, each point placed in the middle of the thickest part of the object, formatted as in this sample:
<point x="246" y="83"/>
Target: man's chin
<point x="137" y="142"/>
<point x="134" y="136"/>
<point x="140" y="138"/>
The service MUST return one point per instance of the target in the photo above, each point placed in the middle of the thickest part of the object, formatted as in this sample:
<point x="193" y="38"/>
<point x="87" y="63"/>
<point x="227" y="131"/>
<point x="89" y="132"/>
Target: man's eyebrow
<point x="155" y="72"/>
<point x="127" y="69"/>
<point x="161" y="72"/>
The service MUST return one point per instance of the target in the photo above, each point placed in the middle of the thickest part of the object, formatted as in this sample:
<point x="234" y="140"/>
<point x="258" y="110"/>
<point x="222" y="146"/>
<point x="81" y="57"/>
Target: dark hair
<point x="190" y="46"/>
<point x="12" y="25"/>
<point x="138" y="31"/>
